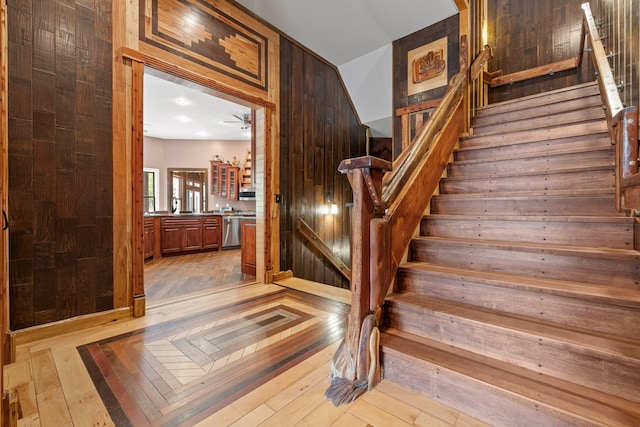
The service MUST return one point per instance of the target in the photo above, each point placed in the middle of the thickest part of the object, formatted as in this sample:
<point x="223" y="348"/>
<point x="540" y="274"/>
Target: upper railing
<point x="389" y="202"/>
<point x="622" y="123"/>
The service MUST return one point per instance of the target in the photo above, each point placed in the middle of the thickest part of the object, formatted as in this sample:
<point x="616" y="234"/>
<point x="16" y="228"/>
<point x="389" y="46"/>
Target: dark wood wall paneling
<point x="60" y="159"/>
<point x="318" y="130"/>
<point x="525" y="34"/>
<point x="449" y="28"/>
<point x="621" y="28"/>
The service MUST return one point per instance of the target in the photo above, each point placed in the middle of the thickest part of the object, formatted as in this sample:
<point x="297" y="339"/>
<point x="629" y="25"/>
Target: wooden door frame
<point x="6" y="355"/>
<point x="139" y="61"/>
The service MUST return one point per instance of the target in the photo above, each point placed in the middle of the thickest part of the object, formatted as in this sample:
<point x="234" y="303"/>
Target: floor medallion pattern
<point x="179" y="372"/>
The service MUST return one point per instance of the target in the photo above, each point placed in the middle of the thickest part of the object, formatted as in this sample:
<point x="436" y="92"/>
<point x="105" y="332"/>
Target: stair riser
<point x="619" y="272"/>
<point x="515" y="150"/>
<point x="590" y="179"/>
<point x="538" y="101"/>
<point x="469" y="396"/>
<point x="542" y="122"/>
<point x="480" y="124"/>
<point x="535" y="135"/>
<point x="592" y="234"/>
<point x="604" y="318"/>
<point x="558" y="162"/>
<point x="538" y="205"/>
<point x="570" y="362"/>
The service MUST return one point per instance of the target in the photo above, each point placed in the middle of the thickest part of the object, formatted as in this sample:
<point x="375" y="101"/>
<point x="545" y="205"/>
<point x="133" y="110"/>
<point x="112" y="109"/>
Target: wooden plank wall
<point x="60" y="159"/>
<point x="525" y="34"/>
<point x="621" y="26"/>
<point x="449" y="28"/>
<point x="318" y="129"/>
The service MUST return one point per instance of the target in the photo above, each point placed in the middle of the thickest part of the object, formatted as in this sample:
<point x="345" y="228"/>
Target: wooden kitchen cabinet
<point x="212" y="232"/>
<point x="248" y="247"/>
<point x="214" y="173"/>
<point x="233" y="182"/>
<point x="149" y="237"/>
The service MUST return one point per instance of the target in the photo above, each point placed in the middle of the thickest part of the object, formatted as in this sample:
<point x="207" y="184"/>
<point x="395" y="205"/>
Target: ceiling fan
<point x="244" y="120"/>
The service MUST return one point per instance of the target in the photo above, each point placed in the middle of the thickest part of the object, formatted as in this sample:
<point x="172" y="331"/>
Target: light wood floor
<point x="55" y="388"/>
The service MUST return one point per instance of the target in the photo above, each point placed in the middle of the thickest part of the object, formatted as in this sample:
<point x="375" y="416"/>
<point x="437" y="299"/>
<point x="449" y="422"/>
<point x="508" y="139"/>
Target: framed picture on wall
<point x="427" y="67"/>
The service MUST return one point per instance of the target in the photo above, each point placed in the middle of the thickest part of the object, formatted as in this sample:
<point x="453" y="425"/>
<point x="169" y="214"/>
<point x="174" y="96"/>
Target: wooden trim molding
<point x="55" y="329"/>
<point x="175" y="70"/>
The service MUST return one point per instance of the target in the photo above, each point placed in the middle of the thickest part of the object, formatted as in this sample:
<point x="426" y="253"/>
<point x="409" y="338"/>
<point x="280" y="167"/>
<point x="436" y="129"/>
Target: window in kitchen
<point x="150" y="189"/>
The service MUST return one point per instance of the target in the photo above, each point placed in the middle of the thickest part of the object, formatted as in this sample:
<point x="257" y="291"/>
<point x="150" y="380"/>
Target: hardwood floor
<point x="168" y="278"/>
<point x="235" y="355"/>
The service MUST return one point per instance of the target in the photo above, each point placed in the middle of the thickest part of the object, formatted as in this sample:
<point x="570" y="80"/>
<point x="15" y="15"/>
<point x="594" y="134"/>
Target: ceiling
<point x="343" y="30"/>
<point x="176" y="111"/>
<point x="353" y="35"/>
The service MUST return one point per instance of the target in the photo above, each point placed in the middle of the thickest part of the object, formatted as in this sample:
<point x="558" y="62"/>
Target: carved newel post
<point x="355" y="367"/>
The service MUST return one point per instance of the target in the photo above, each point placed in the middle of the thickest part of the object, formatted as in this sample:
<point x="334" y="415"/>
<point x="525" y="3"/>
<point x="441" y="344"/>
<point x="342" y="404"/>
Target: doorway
<point x="187" y="128"/>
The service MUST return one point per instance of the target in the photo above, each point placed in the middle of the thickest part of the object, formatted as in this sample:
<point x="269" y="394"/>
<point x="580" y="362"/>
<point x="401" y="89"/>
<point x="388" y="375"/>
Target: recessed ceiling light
<point x="183" y="118"/>
<point x="182" y="101"/>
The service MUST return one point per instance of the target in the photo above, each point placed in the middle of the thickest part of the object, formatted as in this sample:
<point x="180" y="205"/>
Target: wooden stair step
<point x="540" y="99"/>
<point x="577" y="178"/>
<point x="486" y="120"/>
<point x="614" y="267"/>
<point x="495" y="392"/>
<point x="535" y="135"/>
<point x="524" y="122"/>
<point x="537" y="203"/>
<point x="517" y="149"/>
<point x="610" y="310"/>
<point x="610" y="232"/>
<point x="531" y="163"/>
<point x="571" y="354"/>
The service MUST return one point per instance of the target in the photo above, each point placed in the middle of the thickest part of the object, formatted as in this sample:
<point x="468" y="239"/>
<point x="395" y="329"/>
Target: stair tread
<point x="534" y="124"/>
<point x="577" y="169"/>
<point x="608" y="294"/>
<point x="583" y="251"/>
<point x="521" y="136"/>
<point x="581" y="401"/>
<point x="580" y="90"/>
<point x="527" y="194"/>
<point x="597" y="344"/>
<point x="545" y="218"/>
<point x="547" y="153"/>
<point x="561" y="106"/>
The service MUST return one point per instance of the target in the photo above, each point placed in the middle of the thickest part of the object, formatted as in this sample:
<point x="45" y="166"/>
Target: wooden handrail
<point x="316" y="241"/>
<point x="389" y="202"/>
<point x="542" y="70"/>
<point x="622" y="122"/>
<point x="608" y="90"/>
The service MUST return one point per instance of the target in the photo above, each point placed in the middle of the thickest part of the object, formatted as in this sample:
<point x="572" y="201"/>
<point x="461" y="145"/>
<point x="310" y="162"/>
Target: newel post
<point x="355" y="366"/>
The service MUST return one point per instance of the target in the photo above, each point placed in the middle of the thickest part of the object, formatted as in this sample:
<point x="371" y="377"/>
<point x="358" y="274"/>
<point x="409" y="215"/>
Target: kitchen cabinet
<point x="190" y="234"/>
<point x="214" y="174"/>
<point x="225" y="180"/>
<point x="149" y="237"/>
<point x="248" y="247"/>
<point x="212" y="232"/>
<point x="233" y="182"/>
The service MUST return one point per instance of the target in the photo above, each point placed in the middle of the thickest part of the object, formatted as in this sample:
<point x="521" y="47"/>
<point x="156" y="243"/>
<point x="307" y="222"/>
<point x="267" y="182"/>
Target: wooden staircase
<point x="520" y="302"/>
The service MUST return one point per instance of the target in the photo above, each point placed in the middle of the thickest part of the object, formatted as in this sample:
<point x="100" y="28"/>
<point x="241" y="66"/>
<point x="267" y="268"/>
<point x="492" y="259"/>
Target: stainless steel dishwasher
<point x="231" y="231"/>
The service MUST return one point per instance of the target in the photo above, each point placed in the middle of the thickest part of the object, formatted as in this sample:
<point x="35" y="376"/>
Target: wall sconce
<point x="329" y="208"/>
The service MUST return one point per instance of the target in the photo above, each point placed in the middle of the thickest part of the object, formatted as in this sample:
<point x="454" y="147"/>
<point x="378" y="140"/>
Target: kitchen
<point x="198" y="178"/>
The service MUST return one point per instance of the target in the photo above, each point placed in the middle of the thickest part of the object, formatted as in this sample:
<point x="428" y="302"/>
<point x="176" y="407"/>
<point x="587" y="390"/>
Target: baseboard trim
<point x="74" y="324"/>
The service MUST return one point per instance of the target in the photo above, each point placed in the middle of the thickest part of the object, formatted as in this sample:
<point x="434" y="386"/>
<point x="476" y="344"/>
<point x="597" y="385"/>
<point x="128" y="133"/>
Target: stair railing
<point x="389" y="201"/>
<point x="622" y="123"/>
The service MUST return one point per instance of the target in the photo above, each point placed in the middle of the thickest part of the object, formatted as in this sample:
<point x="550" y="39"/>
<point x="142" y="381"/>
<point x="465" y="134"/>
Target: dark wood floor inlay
<point x="179" y="372"/>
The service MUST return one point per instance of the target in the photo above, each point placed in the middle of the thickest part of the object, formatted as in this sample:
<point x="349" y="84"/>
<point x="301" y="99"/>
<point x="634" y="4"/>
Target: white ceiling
<point x="343" y="30"/>
<point x="175" y="111"/>
<point x="354" y="35"/>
